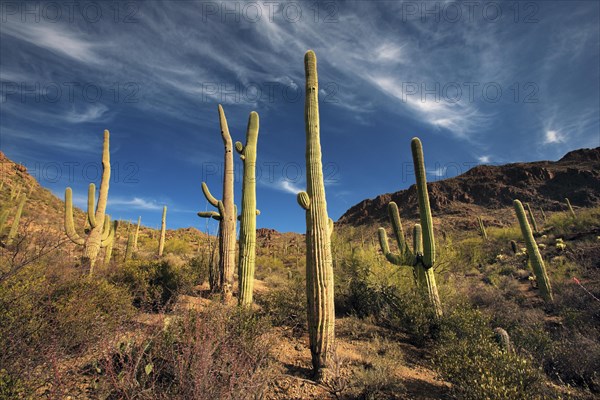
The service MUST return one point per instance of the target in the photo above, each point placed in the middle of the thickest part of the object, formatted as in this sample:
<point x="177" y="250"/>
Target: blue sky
<point x="483" y="82"/>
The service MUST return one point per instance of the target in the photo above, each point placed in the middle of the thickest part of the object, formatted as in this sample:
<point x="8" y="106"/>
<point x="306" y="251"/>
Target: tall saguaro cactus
<point x="535" y="258"/>
<point x="532" y="218"/>
<point x="319" y="266"/>
<point x="137" y="232"/>
<point x="163" y="229"/>
<point x="226" y="216"/>
<point x="92" y="243"/>
<point x="247" y="256"/>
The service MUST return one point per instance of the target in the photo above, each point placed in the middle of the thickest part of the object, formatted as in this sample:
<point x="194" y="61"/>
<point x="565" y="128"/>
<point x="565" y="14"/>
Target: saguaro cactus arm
<point x="108" y="240"/>
<point x="394" y="215"/>
<point x="210" y="214"/>
<point x="69" y="225"/>
<point x="303" y="200"/>
<point x="91" y="211"/>
<point x="395" y="259"/>
<point x="211" y="199"/>
<point x="106" y="228"/>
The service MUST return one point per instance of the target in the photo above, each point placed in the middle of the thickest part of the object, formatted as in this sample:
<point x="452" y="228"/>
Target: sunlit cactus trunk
<point x="227" y="215"/>
<point x="12" y="234"/>
<point x="110" y="244"/>
<point x="482" y="230"/>
<point x="247" y="256"/>
<point x="319" y="267"/>
<point x="532" y="218"/>
<point x="428" y="259"/>
<point x="137" y="232"/>
<point x="163" y="230"/>
<point x="570" y="208"/>
<point x="535" y="258"/>
<point x="98" y="232"/>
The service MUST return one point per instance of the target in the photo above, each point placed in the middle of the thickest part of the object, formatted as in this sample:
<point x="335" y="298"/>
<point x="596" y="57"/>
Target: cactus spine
<point x="163" y="229"/>
<point x="570" y="208"/>
<point x="137" y="232"/>
<point x="12" y="234"/>
<point x="247" y="256"/>
<point x="535" y="258"/>
<point x="482" y="230"/>
<point x="226" y="216"/>
<point x="532" y="218"/>
<point x="94" y="240"/>
<point x="319" y="266"/>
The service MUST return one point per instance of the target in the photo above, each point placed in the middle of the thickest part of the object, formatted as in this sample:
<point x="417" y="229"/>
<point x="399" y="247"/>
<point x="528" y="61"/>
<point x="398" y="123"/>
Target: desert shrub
<point x="286" y="305"/>
<point x="177" y="246"/>
<point x="267" y="267"/>
<point x="219" y="354"/>
<point x="155" y="285"/>
<point x="467" y="355"/>
<point x="87" y="309"/>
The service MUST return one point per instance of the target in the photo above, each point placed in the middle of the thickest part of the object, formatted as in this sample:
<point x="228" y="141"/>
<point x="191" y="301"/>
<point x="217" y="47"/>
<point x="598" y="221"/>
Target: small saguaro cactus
<point x="111" y="242"/>
<point x="532" y="218"/>
<point x="94" y="239"/>
<point x="226" y="216"/>
<point x="535" y="258"/>
<point x="482" y="230"/>
<point x="163" y="229"/>
<point x="422" y="259"/>
<point x="137" y="232"/>
<point x="503" y="340"/>
<point x="247" y="256"/>
<point x="12" y="234"/>
<point x="513" y="246"/>
<point x="543" y="215"/>
<point x="570" y="208"/>
<point x="319" y="263"/>
<point x="129" y="247"/>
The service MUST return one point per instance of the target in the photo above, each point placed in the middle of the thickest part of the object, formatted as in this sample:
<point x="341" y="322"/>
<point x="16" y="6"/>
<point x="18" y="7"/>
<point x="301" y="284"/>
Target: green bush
<point x="155" y="285"/>
<point x="87" y="310"/>
<point x="467" y="355"/>
<point x="286" y="305"/>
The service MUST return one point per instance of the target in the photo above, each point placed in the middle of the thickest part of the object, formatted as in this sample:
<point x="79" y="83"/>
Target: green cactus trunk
<point x="163" y="230"/>
<point x="503" y="340"/>
<point x="247" y="256"/>
<point x="513" y="246"/>
<point x="532" y="218"/>
<point x="482" y="230"/>
<point x="227" y="215"/>
<point x="570" y="208"/>
<point x="15" y="225"/>
<point x="535" y="258"/>
<point x="319" y="265"/>
<point x="137" y="232"/>
<point x="543" y="215"/>
<point x="98" y="232"/>
<point x="129" y="247"/>
<point x="428" y="260"/>
<point x="111" y="242"/>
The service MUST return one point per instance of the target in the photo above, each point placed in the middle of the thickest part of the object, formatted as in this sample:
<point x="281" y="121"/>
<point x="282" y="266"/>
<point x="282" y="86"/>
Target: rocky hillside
<point x="544" y="184"/>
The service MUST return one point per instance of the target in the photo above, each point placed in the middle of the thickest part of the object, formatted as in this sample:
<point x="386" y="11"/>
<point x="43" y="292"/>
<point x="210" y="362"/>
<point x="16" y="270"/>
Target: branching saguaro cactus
<point x="94" y="240"/>
<point x="247" y="256"/>
<point x="111" y="242"/>
<point x="570" y="208"/>
<point x="422" y="258"/>
<point x="532" y="218"/>
<point x="227" y="215"/>
<point x="319" y="266"/>
<point x="535" y="258"/>
<point x="482" y="230"/>
<point x="163" y="230"/>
